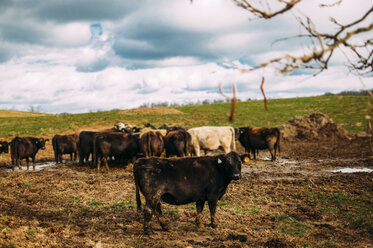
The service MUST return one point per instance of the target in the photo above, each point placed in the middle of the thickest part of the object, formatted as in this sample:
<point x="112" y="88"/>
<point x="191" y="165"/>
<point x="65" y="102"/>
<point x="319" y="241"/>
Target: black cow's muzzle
<point x="236" y="176"/>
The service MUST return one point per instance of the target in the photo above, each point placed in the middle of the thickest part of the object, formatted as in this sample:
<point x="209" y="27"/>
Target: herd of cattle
<point x="187" y="178"/>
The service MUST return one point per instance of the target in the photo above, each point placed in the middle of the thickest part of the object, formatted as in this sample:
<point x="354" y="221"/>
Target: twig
<point x="233" y="100"/>
<point x="265" y="99"/>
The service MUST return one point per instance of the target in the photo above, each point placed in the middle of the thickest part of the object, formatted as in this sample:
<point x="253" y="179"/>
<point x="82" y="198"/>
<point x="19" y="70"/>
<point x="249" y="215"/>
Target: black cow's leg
<point x="162" y="220"/>
<point x="19" y="163"/>
<point x="147" y="217"/>
<point x="33" y="162"/>
<point x="253" y="151"/>
<point x="199" y="206"/>
<point x="273" y="156"/>
<point x="27" y="163"/>
<point x="98" y="161"/>
<point x="106" y="165"/>
<point x="212" y="207"/>
<point x="56" y="157"/>
<point x="155" y="204"/>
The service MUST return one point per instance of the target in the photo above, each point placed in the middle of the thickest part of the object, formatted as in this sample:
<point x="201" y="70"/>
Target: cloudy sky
<point x="88" y="55"/>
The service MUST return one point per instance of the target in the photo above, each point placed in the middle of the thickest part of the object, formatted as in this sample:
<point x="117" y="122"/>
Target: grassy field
<point x="347" y="111"/>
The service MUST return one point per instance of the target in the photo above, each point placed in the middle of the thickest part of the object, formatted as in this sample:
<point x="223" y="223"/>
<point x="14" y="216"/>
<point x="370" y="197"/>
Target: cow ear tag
<point x="247" y="160"/>
<point x="219" y="161"/>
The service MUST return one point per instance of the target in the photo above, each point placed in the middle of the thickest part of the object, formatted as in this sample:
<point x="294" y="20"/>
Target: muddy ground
<point x="294" y="202"/>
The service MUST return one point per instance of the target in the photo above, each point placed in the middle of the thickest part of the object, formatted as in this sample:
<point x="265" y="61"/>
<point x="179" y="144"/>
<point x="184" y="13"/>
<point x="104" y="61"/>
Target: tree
<point x="323" y="44"/>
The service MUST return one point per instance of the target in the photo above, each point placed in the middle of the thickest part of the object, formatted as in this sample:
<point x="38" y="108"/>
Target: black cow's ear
<point x="221" y="160"/>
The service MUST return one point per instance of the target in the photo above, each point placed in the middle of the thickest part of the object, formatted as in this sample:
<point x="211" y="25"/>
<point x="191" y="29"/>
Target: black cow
<point x="119" y="145"/>
<point x="65" y="144"/>
<point x="177" y="143"/>
<point x="173" y="128"/>
<point x="4" y="147"/>
<point x="152" y="144"/>
<point x="85" y="146"/>
<point x="180" y="181"/>
<point x="150" y="126"/>
<point x="24" y="148"/>
<point x="259" y="138"/>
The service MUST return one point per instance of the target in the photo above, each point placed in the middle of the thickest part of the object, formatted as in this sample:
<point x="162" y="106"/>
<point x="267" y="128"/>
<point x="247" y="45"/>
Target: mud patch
<point x="352" y="170"/>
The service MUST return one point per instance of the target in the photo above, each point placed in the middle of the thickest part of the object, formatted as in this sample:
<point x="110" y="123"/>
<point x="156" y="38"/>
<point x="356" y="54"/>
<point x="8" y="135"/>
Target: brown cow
<point x="152" y="144"/>
<point x="65" y="144"/>
<point x="177" y="142"/>
<point x="259" y="138"/>
<point x="179" y="181"/>
<point x="24" y="148"/>
<point x="120" y="145"/>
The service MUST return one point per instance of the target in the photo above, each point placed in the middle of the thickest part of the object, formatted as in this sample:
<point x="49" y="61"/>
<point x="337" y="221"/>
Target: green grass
<point x="355" y="210"/>
<point x="347" y="111"/>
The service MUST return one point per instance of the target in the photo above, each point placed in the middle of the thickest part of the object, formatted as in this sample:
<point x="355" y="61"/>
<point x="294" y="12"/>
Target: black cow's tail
<point x="188" y="141"/>
<point x="55" y="149"/>
<point x="138" y="198"/>
<point x="13" y="153"/>
<point x="149" y="144"/>
<point x="94" y="152"/>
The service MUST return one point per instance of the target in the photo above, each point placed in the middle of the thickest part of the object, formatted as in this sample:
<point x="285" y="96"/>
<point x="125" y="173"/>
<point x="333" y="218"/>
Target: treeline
<point x="174" y="104"/>
<point x="350" y="93"/>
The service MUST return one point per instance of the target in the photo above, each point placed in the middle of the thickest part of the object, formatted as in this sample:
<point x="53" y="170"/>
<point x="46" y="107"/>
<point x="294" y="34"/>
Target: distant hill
<point x="12" y="113"/>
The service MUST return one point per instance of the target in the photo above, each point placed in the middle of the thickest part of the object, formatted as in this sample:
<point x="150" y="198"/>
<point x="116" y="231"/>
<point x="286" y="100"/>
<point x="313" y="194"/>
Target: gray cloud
<point x="77" y="56"/>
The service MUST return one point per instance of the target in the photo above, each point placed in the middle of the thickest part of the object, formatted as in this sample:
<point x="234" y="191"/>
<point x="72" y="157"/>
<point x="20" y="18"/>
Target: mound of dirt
<point x="315" y="126"/>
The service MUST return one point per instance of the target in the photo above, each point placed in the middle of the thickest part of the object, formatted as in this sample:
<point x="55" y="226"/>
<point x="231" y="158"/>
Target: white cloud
<point x="71" y="34"/>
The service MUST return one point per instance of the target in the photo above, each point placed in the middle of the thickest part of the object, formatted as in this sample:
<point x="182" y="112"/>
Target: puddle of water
<point x="351" y="170"/>
<point x="38" y="167"/>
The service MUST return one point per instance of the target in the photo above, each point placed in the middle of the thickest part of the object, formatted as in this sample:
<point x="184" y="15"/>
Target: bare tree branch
<point x="323" y="44"/>
<point x="264" y="95"/>
<point x="265" y="13"/>
<point x="233" y="100"/>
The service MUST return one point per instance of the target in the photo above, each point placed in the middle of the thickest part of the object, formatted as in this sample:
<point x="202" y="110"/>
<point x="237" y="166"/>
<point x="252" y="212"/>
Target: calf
<point x="24" y="148"/>
<point x="64" y="144"/>
<point x="119" y="145"/>
<point x="180" y="181"/>
<point x="4" y="147"/>
<point x="259" y="138"/>
<point x="152" y="144"/>
<point x="177" y="143"/>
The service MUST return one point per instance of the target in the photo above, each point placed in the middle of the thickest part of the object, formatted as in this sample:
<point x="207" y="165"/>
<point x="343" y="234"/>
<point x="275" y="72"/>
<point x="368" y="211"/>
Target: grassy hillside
<point x="347" y="111"/>
<point x="11" y="113"/>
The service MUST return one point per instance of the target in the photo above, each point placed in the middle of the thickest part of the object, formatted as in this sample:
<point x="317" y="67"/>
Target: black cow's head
<point x="4" y="146"/>
<point x="239" y="131"/>
<point x="231" y="163"/>
<point x="40" y="143"/>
